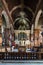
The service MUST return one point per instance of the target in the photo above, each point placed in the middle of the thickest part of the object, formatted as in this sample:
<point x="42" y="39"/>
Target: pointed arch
<point x="37" y="18"/>
<point x="4" y="14"/>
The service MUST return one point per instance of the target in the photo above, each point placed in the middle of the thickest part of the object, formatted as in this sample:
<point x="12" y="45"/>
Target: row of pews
<point x="21" y="56"/>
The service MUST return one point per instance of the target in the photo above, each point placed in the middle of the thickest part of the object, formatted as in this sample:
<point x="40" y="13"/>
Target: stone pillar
<point x="0" y="31"/>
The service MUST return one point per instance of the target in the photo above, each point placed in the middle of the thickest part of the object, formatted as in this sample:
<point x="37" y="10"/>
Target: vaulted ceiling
<point x="28" y="8"/>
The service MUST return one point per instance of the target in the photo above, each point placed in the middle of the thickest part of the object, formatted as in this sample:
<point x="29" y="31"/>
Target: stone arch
<point x="6" y="18"/>
<point x="37" y="18"/>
